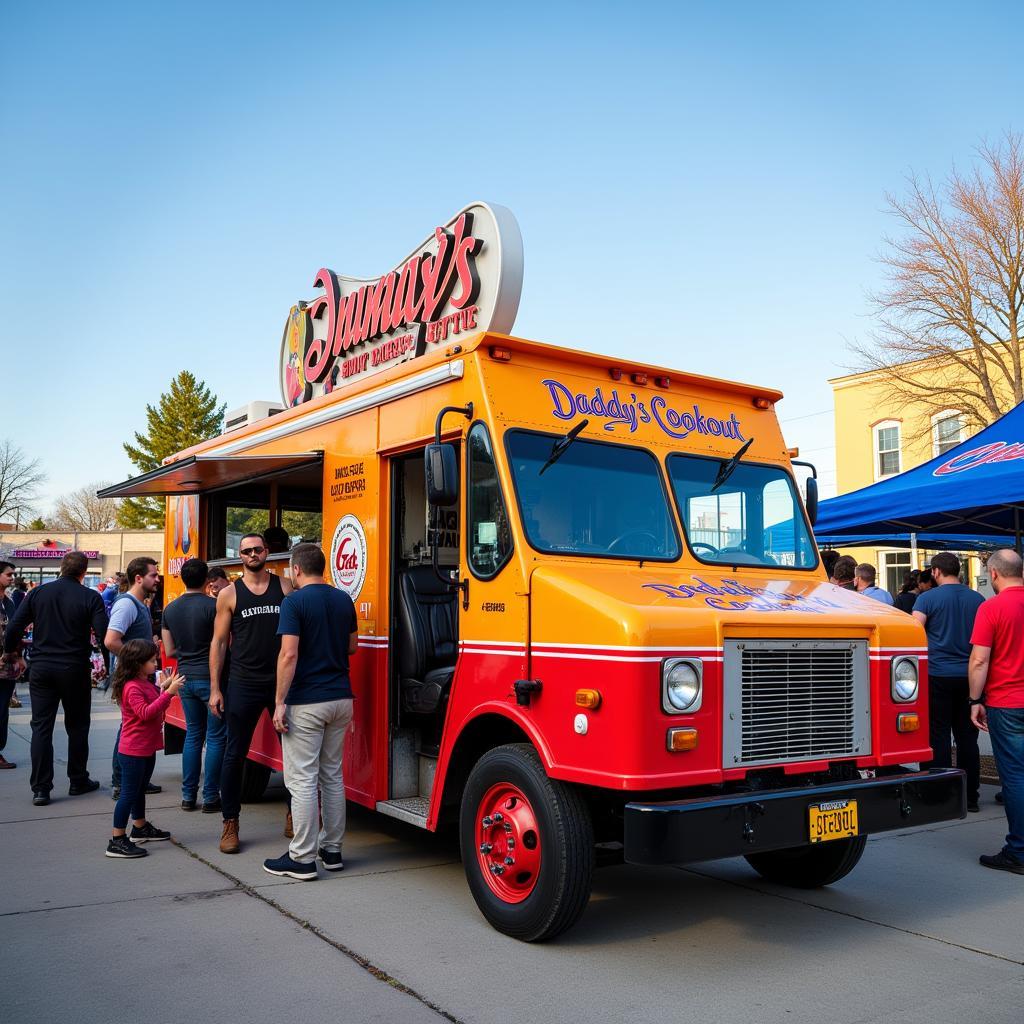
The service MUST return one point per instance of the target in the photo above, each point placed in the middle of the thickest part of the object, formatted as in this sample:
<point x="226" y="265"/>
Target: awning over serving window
<point x="198" y="473"/>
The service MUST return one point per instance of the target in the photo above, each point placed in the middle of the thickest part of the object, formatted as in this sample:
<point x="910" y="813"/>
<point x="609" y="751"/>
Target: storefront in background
<point x="37" y="555"/>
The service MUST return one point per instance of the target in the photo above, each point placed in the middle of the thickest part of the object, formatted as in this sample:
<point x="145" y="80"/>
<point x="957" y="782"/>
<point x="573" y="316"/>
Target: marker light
<point x="588" y="699"/>
<point x="907" y="722"/>
<point x="904" y="679"/>
<point x="762" y="403"/>
<point x="503" y="355"/>
<point x="639" y="379"/>
<point x="681" y="739"/>
<point x="615" y="373"/>
<point x="662" y="382"/>
<point x="680" y="685"/>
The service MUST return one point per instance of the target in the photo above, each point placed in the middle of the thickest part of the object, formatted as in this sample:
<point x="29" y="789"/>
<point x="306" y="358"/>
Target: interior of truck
<point x="424" y="630"/>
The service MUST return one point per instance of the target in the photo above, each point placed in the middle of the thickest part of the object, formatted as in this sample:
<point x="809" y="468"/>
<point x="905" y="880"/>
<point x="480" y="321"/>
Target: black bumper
<point x="709" y="828"/>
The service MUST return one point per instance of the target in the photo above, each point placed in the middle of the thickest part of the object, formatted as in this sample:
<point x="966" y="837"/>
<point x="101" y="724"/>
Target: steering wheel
<point x="625" y="535"/>
<point x="708" y="547"/>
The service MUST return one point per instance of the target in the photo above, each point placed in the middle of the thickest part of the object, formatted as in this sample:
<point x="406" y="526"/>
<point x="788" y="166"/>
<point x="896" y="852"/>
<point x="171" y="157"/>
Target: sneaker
<point x="188" y="805"/>
<point x="331" y="861"/>
<point x="14" y="702"/>
<point x="1002" y="861"/>
<point x="999" y="797"/>
<point x="229" y="837"/>
<point x="40" y="798"/>
<point x="289" y="830"/>
<point x="211" y="806"/>
<point x="151" y="789"/>
<point x="4" y="763"/>
<point x="148" y="833"/>
<point x="124" y="849"/>
<point x="290" y="868"/>
<point x="972" y="806"/>
<point x="81" y="788"/>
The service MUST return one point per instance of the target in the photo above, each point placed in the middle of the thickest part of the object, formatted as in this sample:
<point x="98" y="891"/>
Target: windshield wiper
<point x="561" y="446"/>
<point x="726" y="468"/>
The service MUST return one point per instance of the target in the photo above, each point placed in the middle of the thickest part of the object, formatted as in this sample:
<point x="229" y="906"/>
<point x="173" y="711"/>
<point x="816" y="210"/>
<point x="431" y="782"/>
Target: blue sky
<point x="699" y="184"/>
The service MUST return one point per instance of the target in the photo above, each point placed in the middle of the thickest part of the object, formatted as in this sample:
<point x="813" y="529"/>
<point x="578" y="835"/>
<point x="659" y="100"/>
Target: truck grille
<point x="798" y="700"/>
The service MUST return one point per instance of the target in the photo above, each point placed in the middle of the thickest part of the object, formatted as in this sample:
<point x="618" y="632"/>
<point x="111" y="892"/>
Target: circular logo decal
<point x="348" y="556"/>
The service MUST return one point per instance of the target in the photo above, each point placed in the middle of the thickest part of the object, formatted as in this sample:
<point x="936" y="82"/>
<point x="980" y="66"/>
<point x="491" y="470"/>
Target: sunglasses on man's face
<point x="252" y="551"/>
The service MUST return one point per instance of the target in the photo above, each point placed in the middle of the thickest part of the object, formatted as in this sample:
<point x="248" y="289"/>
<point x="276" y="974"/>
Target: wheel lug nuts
<point x="497" y="869"/>
<point x="488" y="821"/>
<point x="510" y="860"/>
<point x="485" y="847"/>
<point x="510" y="842"/>
<point x="508" y="827"/>
<point x="498" y="816"/>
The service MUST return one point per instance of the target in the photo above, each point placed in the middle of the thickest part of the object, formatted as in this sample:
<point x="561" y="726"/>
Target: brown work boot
<point x="229" y="837"/>
<point x="289" y="831"/>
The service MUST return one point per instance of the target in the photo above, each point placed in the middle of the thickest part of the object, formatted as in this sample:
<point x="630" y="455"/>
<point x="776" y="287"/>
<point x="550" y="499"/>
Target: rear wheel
<point x="809" y="867"/>
<point x="527" y="845"/>
<point x="254" y="780"/>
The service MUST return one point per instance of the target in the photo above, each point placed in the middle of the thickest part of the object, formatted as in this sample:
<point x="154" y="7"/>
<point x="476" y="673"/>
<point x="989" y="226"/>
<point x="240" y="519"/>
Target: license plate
<point x="836" y="819"/>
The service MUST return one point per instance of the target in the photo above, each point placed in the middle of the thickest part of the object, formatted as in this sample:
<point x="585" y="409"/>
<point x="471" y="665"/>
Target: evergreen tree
<point x="185" y="415"/>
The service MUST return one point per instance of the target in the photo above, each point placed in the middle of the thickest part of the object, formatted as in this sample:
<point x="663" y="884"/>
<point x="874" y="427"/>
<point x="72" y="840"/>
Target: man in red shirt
<point x="996" y="675"/>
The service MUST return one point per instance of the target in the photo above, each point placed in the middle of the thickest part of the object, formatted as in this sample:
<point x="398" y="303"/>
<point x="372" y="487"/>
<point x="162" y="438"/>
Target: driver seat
<point x="427" y="642"/>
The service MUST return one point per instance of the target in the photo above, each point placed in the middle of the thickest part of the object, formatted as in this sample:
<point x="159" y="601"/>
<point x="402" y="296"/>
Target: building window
<point x="947" y="432"/>
<point x="887" y="449"/>
<point x="895" y="566"/>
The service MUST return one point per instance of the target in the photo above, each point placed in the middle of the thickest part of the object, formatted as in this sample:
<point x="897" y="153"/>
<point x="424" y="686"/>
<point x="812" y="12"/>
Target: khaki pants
<point x="312" y="750"/>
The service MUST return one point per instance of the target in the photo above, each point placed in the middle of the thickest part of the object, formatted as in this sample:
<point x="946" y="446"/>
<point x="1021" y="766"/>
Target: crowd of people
<point x="271" y="643"/>
<point x="261" y="642"/>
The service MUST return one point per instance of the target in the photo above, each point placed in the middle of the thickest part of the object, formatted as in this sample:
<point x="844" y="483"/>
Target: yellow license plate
<point x="836" y="819"/>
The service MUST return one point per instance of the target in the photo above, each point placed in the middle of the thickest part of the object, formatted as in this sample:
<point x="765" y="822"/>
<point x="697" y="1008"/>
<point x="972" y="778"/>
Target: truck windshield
<point x="753" y="519"/>
<point x="597" y="499"/>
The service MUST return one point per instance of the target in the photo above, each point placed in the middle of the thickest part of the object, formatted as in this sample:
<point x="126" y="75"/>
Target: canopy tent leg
<point x="913" y="550"/>
<point x="1016" y="530"/>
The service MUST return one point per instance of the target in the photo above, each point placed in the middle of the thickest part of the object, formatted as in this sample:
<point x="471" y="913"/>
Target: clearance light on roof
<point x="794" y="453"/>
<point x="760" y="402"/>
<point x="639" y="379"/>
<point x="615" y="373"/>
<point x="662" y="382"/>
<point x="503" y="355"/>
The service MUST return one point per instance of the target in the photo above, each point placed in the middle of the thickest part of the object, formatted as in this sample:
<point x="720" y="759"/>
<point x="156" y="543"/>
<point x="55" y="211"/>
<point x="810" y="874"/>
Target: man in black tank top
<point x="247" y="617"/>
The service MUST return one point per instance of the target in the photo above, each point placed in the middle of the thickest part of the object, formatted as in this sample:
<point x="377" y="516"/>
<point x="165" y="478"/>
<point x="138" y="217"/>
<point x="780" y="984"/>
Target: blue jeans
<point x="135" y="774"/>
<point x="201" y="725"/>
<point x="1006" y="728"/>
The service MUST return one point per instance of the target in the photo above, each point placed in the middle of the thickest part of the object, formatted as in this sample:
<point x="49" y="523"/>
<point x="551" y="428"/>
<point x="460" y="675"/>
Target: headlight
<point x="904" y="679"/>
<point x="680" y="685"/>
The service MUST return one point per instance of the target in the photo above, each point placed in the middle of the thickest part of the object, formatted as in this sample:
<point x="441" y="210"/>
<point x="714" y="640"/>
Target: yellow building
<point x="877" y="438"/>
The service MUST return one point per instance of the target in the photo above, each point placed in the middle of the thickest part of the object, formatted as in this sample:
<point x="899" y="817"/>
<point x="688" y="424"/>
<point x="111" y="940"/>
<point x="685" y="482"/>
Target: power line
<point x="806" y="416"/>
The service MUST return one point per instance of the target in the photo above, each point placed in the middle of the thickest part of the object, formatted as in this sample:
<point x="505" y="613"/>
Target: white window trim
<point x="945" y="414"/>
<point x="885" y="425"/>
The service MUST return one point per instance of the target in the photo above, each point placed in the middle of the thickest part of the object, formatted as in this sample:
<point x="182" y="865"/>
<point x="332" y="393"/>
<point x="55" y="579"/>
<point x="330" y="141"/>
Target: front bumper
<point x="709" y="828"/>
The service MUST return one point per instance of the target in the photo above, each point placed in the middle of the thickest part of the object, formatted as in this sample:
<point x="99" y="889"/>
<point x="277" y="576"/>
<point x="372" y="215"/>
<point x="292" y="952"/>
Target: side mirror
<point x="442" y="471"/>
<point x="811" y="499"/>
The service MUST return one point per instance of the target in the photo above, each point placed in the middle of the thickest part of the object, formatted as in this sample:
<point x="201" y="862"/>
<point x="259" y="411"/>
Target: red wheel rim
<point x="508" y="843"/>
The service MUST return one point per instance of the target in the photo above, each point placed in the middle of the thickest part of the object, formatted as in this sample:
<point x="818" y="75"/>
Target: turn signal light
<point x="762" y="403"/>
<point x="907" y="722"/>
<point x="503" y="355"/>
<point x="681" y="739"/>
<point x="588" y="699"/>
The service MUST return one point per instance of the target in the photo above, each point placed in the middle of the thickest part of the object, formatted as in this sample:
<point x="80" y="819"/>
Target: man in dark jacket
<point x="61" y="614"/>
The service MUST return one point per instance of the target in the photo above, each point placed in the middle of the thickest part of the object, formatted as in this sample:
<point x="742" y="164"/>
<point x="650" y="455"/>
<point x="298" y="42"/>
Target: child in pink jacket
<point x="143" y="707"/>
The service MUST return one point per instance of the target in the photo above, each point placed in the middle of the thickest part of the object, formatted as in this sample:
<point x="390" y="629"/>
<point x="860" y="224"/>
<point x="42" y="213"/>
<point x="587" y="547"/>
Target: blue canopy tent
<point x="975" y="489"/>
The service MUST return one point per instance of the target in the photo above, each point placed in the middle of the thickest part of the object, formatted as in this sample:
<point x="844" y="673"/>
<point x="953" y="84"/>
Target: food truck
<point x="593" y="623"/>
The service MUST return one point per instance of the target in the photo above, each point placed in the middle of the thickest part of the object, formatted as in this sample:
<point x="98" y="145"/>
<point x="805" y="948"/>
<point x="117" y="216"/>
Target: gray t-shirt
<point x="189" y="619"/>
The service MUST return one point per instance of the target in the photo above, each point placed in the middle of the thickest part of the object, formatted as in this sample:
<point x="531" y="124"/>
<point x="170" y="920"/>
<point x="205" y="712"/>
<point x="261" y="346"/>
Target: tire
<point x="809" y="867"/>
<point x="547" y="887"/>
<point x="255" y="777"/>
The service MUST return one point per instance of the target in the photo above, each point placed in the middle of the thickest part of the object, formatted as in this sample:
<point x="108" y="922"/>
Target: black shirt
<point x="189" y="619"/>
<point x="62" y="613"/>
<point x="254" y="640"/>
<point x="905" y="601"/>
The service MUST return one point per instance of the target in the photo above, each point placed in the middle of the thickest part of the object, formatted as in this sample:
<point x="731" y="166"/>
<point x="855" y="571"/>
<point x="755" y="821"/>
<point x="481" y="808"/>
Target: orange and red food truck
<point x="591" y="610"/>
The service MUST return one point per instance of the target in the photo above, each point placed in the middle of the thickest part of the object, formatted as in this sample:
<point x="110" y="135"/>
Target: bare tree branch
<point x="951" y="316"/>
<point x="20" y="479"/>
<point x="82" y="510"/>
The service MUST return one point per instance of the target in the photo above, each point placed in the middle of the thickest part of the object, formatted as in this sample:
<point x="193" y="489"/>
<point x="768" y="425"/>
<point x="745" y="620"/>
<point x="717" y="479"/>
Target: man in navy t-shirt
<point x="947" y="613"/>
<point x="318" y="631"/>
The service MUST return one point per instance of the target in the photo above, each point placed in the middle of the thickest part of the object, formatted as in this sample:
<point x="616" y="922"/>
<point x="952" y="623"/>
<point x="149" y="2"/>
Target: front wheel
<point x="527" y="845"/>
<point x="809" y="867"/>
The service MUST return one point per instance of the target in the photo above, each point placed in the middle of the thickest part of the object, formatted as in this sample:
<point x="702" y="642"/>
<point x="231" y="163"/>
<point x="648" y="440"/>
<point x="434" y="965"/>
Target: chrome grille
<point x="798" y="700"/>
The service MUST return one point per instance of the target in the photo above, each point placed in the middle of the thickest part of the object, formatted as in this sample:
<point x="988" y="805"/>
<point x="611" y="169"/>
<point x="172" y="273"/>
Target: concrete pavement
<point x="918" y="932"/>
